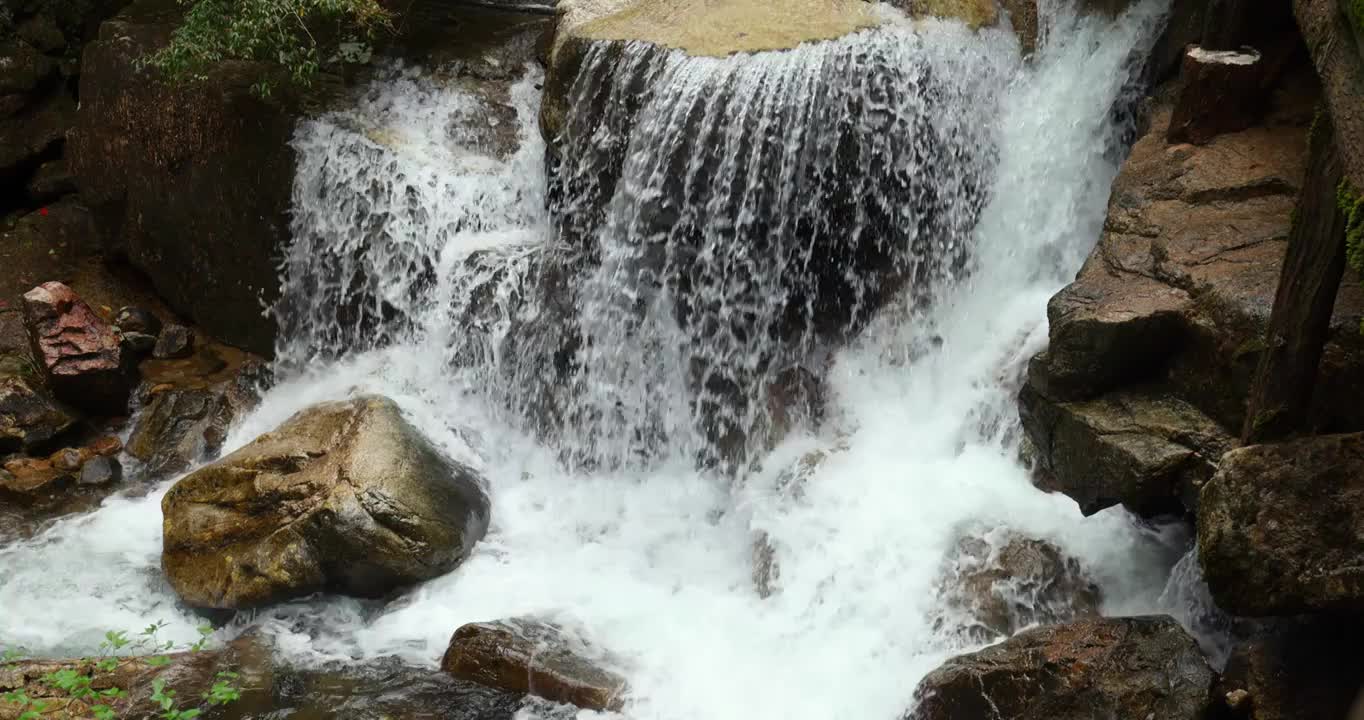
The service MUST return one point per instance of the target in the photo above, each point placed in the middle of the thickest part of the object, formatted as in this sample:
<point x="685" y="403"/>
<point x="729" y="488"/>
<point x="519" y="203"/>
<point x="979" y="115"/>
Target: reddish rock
<point x="528" y="656"/>
<point x="79" y="352"/>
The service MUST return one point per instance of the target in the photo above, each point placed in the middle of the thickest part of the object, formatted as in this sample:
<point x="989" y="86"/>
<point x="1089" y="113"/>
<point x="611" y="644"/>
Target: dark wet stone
<point x="175" y="341"/>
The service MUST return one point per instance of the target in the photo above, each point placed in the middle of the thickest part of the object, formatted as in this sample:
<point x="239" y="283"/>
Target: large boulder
<point x="530" y="656"/>
<point x="1150" y="453"/>
<point x="999" y="583"/>
<point x="1281" y="527"/>
<point x="1154" y="345"/>
<point x="190" y="182"/>
<point x="1138" y="668"/>
<point x="81" y="354"/>
<point x="344" y="497"/>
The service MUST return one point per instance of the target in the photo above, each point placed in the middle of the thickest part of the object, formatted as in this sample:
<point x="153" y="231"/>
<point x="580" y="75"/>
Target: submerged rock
<point x="1137" y="668"/>
<point x="530" y="656"/>
<point x="1005" y="584"/>
<point x="79" y="352"/>
<point x="343" y="497"/>
<point x="1278" y="527"/>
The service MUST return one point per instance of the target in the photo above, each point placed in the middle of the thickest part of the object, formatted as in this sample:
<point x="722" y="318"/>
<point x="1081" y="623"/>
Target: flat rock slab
<point x="1134" y="668"/>
<point x="343" y="497"/>
<point x="530" y="656"/>
<point x="1281" y="527"/>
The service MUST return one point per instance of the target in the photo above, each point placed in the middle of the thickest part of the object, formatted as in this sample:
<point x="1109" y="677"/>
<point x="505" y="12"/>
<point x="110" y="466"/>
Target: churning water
<point x="890" y="210"/>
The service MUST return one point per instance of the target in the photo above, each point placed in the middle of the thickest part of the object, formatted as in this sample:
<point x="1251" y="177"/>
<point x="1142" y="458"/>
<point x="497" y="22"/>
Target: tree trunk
<point x="1281" y="394"/>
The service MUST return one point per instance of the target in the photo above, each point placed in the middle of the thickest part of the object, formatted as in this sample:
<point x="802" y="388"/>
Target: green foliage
<point x="78" y="683"/>
<point x="1351" y="203"/>
<point x="299" y="35"/>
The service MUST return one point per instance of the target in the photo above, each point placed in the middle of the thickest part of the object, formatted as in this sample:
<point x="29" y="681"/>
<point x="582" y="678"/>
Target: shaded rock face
<point x="530" y="656"/>
<point x="180" y="426"/>
<point x="191" y="184"/>
<point x="1139" y="667"/>
<point x="1153" y="347"/>
<point x="1001" y="585"/>
<point x="80" y="353"/>
<point x="344" y="497"/>
<point x="1305" y="668"/>
<point x="1279" y="527"/>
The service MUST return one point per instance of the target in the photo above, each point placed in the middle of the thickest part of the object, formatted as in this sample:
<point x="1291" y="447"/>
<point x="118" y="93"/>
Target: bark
<point x="1281" y="394"/>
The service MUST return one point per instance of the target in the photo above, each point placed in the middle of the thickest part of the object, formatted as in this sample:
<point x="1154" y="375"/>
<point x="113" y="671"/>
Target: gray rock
<point x="175" y="341"/>
<point x="1280" y="527"/>
<point x="100" y="471"/>
<point x="131" y="319"/>
<point x="344" y="497"/>
<point x="179" y="427"/>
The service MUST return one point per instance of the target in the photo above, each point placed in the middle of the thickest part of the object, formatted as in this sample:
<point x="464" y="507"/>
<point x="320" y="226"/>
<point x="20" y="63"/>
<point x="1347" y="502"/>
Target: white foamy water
<point x="417" y="248"/>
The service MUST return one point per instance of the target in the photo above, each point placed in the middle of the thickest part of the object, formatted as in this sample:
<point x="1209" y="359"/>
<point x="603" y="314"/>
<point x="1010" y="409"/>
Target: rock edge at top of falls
<point x="716" y="27"/>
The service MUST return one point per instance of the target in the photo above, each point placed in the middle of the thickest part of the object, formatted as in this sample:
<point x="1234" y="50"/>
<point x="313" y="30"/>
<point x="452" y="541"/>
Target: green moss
<point x="1351" y="204"/>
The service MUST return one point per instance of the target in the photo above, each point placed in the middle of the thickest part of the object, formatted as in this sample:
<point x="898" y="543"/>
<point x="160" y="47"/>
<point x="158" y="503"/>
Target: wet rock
<point x="100" y="471"/>
<point x="79" y="352"/>
<point x="1137" y="667"/>
<point x="1278" y="527"/>
<point x="343" y="497"/>
<point x="1023" y="18"/>
<point x="181" y="426"/>
<point x="29" y="419"/>
<point x="529" y="656"/>
<point x="973" y="13"/>
<point x="999" y="585"/>
<point x="175" y="341"/>
<point x="130" y="319"/>
<point x="32" y="476"/>
<point x="1305" y="668"/>
<point x="790" y="486"/>
<point x="1150" y="453"/>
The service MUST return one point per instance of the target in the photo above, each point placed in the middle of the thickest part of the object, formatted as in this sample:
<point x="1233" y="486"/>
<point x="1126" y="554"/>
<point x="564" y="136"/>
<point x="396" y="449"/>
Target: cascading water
<point x="571" y="363"/>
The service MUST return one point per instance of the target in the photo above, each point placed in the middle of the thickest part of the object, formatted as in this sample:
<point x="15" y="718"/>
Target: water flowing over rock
<point x="344" y="497"/>
<point x="530" y="656"/>
<point x="998" y="584"/>
<point x="79" y="352"/>
<point x="1277" y="527"/>
<point x="1141" y="667"/>
<point x="180" y="426"/>
<point x="759" y="232"/>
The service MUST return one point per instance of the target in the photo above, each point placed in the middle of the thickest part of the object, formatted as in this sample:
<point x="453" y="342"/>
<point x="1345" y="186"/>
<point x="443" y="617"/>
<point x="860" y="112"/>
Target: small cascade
<point x="611" y="343"/>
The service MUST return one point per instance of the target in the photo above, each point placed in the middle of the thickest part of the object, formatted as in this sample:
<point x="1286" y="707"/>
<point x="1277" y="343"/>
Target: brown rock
<point x="29" y="419"/>
<point x="33" y="476"/>
<point x="79" y="351"/>
<point x="1221" y="92"/>
<point x="344" y="497"/>
<point x="529" y="656"/>
<point x="1003" y="584"/>
<point x="1138" y="668"/>
<point x="1279" y="527"/>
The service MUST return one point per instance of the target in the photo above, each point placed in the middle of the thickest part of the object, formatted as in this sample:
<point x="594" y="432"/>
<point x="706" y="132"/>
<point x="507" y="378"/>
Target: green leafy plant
<point x="77" y="683"/>
<point x="298" y="35"/>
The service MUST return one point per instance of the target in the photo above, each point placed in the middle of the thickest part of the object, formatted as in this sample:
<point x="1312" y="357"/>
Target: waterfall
<point x="888" y="212"/>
